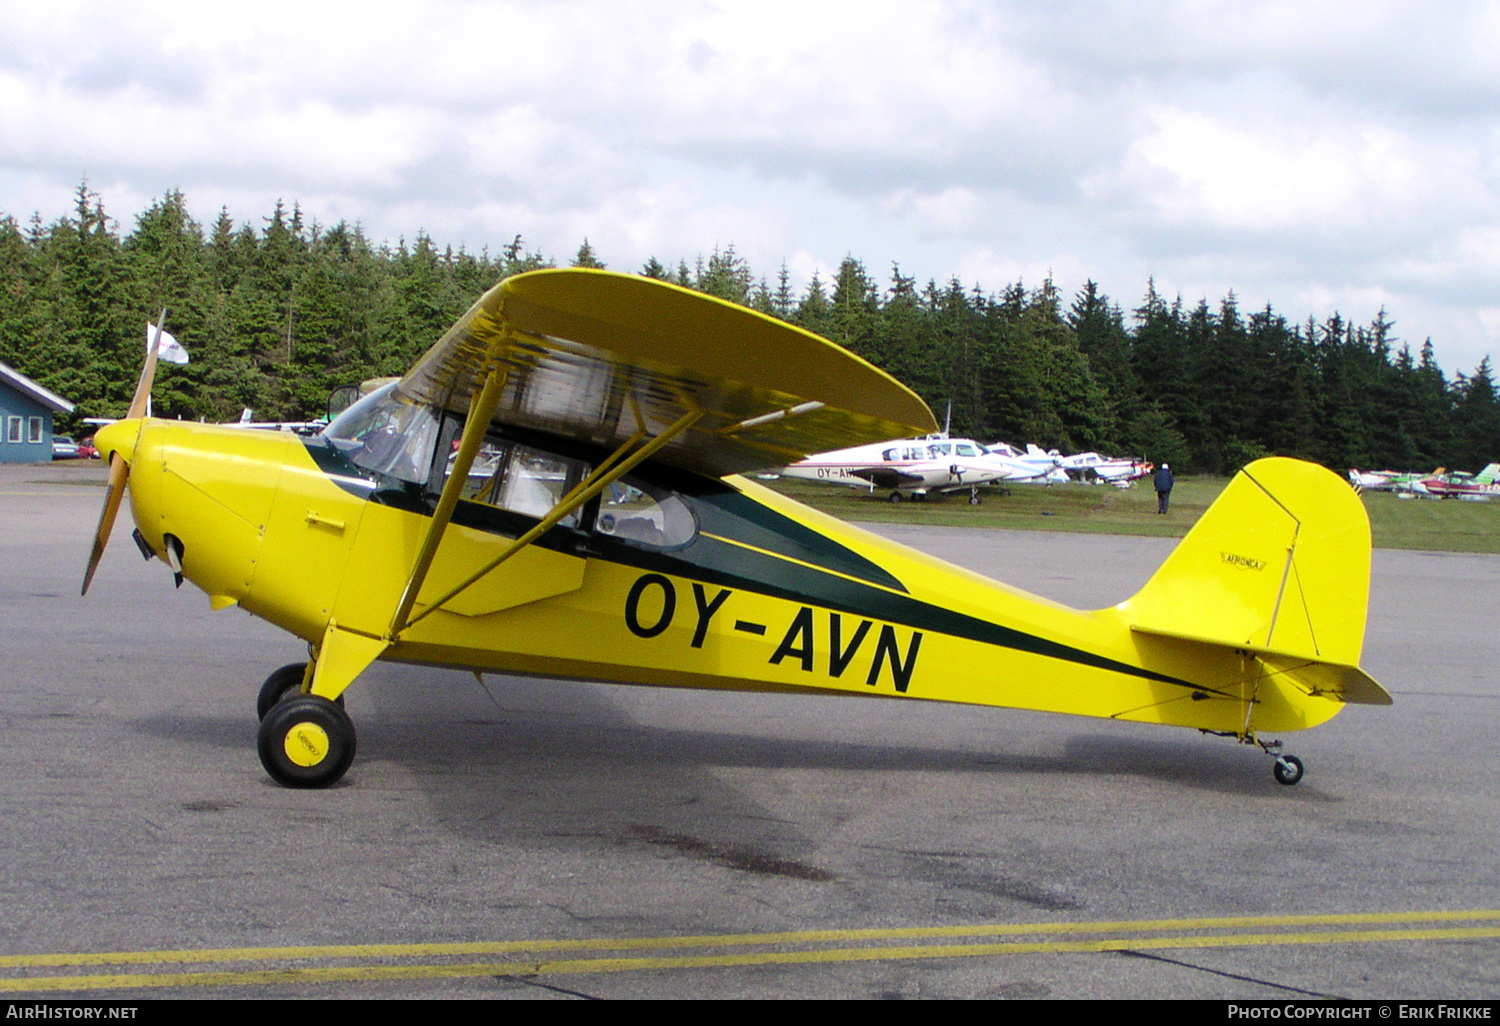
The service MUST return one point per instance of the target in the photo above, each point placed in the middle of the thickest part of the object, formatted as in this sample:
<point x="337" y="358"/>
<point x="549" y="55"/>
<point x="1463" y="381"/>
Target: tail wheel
<point x="280" y="684"/>
<point x="306" y="741"/>
<point x="1287" y="770"/>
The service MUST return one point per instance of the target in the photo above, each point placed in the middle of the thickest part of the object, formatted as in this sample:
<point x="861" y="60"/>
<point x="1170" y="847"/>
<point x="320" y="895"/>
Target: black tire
<point x="306" y="741"/>
<point x="895" y="496"/>
<point x="280" y="684"/>
<point x="276" y="686"/>
<point x="1287" y="770"/>
<point x="974" y="500"/>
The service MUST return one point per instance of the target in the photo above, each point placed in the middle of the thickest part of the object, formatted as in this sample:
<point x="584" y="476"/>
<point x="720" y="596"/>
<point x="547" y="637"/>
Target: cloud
<point x="1299" y="153"/>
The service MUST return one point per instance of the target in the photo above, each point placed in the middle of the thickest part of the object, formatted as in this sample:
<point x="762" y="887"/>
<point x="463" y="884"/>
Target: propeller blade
<point x="119" y="472"/>
<point x="114" y="492"/>
<point x="148" y="374"/>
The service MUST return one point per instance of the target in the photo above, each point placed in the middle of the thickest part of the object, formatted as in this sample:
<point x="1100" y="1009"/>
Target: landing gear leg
<point x="306" y="739"/>
<point x="281" y="684"/>
<point x="974" y="495"/>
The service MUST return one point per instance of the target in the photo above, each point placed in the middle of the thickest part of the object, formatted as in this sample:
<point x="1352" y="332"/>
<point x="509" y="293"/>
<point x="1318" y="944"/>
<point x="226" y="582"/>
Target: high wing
<point x="598" y="357"/>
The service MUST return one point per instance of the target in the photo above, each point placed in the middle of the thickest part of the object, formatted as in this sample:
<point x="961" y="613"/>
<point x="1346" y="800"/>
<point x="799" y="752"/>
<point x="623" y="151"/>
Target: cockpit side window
<point x="534" y="483"/>
<point x="511" y="476"/>
<point x="644" y="514"/>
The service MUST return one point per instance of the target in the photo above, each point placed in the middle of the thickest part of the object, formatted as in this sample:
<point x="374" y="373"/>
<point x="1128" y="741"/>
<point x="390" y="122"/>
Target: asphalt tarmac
<point x="530" y="839"/>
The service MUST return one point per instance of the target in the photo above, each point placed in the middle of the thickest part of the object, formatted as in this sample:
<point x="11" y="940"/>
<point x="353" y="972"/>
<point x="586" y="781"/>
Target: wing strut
<point x="606" y="474"/>
<point x="481" y="409"/>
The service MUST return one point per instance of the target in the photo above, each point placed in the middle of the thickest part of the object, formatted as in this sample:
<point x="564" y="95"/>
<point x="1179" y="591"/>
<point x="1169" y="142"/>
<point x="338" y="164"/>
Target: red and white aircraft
<point x="1458" y="485"/>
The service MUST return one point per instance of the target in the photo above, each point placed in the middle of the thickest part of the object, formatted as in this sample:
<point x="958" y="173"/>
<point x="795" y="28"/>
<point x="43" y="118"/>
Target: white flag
<point x="168" y="348"/>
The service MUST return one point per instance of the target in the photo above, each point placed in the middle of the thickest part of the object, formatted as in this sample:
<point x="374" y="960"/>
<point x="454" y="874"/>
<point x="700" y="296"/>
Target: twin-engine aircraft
<point x="918" y="467"/>
<point x="909" y="467"/>
<point x="554" y="489"/>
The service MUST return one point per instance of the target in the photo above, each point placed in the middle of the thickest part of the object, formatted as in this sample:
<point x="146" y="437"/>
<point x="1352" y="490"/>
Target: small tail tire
<point x="280" y="684"/>
<point x="1287" y="770"/>
<point x="306" y="741"/>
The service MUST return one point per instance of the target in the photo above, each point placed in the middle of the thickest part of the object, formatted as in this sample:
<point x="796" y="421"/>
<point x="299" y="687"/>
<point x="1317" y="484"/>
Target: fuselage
<point x="669" y="578"/>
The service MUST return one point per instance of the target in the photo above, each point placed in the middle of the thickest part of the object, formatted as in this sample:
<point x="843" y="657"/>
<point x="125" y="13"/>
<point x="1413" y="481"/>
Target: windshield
<point x="386" y="434"/>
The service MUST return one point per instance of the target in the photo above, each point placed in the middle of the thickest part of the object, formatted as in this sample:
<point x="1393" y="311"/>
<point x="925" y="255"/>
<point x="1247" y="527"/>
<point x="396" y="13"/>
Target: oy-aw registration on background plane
<point x="554" y="490"/>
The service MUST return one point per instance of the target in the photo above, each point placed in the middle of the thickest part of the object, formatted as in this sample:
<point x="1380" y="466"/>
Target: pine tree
<point x="585" y="257"/>
<point x="726" y="276"/>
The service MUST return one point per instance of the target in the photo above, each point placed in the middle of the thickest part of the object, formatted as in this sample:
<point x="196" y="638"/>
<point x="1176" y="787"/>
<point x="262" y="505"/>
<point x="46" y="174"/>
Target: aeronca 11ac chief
<point x="553" y="490"/>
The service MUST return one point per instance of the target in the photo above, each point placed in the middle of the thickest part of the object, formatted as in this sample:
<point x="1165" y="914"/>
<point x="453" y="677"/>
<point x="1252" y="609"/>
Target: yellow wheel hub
<point x="306" y="744"/>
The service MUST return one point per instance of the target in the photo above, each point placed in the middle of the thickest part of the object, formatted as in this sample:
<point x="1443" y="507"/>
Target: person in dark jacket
<point x="1163" y="482"/>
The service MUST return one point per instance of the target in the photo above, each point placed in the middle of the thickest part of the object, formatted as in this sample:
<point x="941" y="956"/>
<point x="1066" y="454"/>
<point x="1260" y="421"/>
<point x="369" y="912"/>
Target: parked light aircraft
<point x="1371" y="480"/>
<point x="915" y="467"/>
<point x="610" y="538"/>
<point x="1454" y="484"/>
<point x="1440" y="484"/>
<point x="1034" y="465"/>
<point x="1090" y="466"/>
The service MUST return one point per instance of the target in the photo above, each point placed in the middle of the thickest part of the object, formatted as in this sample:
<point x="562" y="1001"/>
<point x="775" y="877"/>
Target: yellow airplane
<point x="554" y="489"/>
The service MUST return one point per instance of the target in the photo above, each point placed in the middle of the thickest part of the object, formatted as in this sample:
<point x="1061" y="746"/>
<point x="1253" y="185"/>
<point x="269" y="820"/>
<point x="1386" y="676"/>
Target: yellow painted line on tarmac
<point x="878" y="952"/>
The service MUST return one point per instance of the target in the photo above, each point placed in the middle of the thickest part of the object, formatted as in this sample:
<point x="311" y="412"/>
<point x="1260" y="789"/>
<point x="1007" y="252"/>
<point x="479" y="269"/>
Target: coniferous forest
<point x="276" y="315"/>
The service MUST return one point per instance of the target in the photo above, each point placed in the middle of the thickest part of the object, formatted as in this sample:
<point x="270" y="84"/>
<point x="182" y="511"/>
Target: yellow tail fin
<point x="1279" y="566"/>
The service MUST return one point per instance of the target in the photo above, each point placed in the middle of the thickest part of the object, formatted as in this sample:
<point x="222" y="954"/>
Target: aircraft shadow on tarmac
<point x="579" y="737"/>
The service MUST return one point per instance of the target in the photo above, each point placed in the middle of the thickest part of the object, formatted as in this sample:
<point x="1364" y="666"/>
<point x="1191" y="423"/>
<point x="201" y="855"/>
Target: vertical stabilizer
<point x="1278" y="565"/>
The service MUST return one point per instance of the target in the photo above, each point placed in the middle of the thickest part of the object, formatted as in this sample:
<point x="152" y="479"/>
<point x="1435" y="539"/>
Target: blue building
<point x="26" y="412"/>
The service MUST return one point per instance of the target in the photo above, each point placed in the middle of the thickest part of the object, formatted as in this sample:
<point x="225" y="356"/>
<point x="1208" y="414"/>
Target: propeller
<point x="119" y="471"/>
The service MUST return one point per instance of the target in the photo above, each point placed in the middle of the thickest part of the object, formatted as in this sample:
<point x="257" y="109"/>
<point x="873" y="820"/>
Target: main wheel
<point x="280" y="684"/>
<point x="306" y="741"/>
<point x="1287" y="770"/>
<point x="277" y="685"/>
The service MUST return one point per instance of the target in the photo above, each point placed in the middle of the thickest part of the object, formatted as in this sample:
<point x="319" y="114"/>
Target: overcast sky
<point x="1316" y="156"/>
